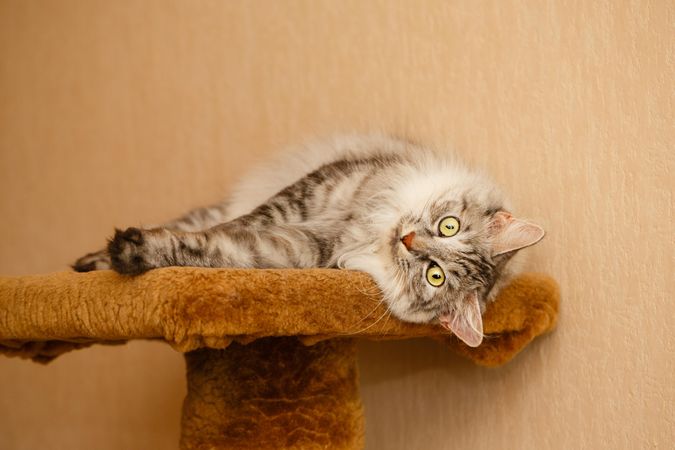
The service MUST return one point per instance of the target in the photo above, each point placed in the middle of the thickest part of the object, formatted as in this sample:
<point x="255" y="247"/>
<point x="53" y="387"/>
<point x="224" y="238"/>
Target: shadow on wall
<point x="407" y="379"/>
<point x="393" y="360"/>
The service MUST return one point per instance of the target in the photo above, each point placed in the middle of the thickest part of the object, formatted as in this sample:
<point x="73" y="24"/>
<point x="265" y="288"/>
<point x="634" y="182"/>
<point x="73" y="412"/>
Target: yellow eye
<point x="449" y="226"/>
<point x="435" y="275"/>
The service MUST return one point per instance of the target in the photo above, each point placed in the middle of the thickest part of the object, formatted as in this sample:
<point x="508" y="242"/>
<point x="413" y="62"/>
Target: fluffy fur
<point x="371" y="203"/>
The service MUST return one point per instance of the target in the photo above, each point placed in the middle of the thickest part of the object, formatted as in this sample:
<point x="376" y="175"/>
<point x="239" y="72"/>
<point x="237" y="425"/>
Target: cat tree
<point x="270" y="354"/>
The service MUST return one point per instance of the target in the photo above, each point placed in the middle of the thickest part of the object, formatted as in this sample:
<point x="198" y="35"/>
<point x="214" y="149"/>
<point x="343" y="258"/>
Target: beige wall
<point x="120" y="112"/>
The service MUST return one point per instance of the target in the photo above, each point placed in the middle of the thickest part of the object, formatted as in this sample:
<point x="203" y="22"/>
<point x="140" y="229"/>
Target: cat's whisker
<point x="489" y="336"/>
<point x="384" y="327"/>
<point x="371" y="325"/>
<point x="369" y="314"/>
<point x="374" y="290"/>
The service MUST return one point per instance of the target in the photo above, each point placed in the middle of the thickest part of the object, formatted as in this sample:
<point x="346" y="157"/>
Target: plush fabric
<point x="274" y="393"/>
<point x="41" y="316"/>
<point x="270" y="353"/>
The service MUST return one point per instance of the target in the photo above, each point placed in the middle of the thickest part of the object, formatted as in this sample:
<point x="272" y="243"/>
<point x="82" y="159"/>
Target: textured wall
<point x="115" y="113"/>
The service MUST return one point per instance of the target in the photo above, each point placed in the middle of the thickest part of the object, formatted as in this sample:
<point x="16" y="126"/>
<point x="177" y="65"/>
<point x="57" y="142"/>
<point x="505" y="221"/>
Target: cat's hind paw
<point x="128" y="252"/>
<point x="92" y="261"/>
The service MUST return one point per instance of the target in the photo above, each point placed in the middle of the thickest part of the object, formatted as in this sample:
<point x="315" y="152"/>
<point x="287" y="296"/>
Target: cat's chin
<point x="419" y="317"/>
<point x="400" y="308"/>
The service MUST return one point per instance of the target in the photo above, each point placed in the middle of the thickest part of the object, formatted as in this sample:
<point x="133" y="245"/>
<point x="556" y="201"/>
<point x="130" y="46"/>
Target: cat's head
<point x="447" y="262"/>
<point x="449" y="251"/>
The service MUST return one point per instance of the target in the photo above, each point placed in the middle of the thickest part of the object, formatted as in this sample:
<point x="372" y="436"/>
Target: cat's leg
<point x="194" y="220"/>
<point x="234" y="244"/>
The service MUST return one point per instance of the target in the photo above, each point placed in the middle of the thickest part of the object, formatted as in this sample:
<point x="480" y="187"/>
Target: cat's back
<point x="293" y="164"/>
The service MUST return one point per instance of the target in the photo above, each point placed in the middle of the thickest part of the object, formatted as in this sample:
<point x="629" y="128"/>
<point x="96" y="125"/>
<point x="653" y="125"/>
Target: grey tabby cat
<point x="436" y="237"/>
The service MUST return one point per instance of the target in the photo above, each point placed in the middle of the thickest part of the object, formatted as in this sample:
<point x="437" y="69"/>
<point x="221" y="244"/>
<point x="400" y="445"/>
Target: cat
<point x="437" y="238"/>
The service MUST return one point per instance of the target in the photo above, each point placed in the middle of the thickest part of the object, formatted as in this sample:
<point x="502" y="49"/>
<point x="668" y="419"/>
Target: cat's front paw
<point x="129" y="253"/>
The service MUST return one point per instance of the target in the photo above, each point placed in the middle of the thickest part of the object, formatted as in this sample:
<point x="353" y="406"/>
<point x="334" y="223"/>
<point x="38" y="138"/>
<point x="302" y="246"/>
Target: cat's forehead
<point x="444" y="191"/>
<point x="442" y="207"/>
<point x="465" y="206"/>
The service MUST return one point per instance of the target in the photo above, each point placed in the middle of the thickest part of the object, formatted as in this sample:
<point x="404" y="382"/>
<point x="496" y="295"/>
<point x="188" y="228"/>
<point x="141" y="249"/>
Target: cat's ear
<point x="465" y="321"/>
<point x="510" y="234"/>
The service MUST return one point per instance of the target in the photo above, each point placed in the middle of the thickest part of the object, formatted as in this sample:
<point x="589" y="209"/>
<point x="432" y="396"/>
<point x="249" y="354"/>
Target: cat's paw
<point x="92" y="261"/>
<point x="129" y="253"/>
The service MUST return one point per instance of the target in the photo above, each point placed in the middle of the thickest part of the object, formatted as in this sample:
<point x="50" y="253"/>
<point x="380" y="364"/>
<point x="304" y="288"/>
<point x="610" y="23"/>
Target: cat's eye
<point x="435" y="275"/>
<point x="449" y="226"/>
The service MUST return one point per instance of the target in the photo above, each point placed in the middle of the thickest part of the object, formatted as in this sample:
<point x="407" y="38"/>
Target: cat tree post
<point x="270" y="353"/>
<point x="273" y="393"/>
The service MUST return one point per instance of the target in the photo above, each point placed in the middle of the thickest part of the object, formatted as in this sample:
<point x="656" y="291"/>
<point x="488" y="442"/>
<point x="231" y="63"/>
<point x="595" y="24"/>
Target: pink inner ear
<point x="510" y="234"/>
<point x="465" y="321"/>
<point x="500" y="220"/>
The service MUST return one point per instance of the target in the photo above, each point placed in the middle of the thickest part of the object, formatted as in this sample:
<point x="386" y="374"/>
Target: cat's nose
<point x="407" y="240"/>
